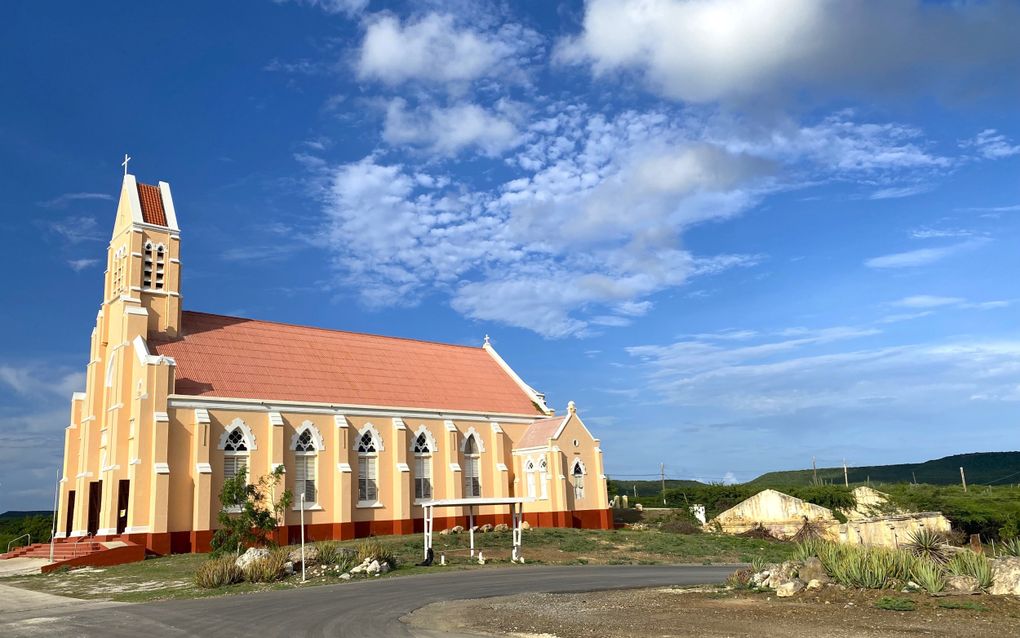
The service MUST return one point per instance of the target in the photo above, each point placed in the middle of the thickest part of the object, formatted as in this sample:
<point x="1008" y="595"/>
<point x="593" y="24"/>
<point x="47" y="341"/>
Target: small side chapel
<point x="366" y="427"/>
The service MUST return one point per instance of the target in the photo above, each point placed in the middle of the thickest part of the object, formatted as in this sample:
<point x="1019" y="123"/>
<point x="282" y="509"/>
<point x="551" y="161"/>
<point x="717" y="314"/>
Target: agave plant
<point x="1010" y="547"/>
<point x="758" y="564"/>
<point x="929" y="575"/>
<point x="925" y="543"/>
<point x="806" y="549"/>
<point x="968" y="563"/>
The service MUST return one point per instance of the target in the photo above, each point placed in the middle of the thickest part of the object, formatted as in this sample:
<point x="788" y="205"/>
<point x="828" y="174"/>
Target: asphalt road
<point x="367" y="608"/>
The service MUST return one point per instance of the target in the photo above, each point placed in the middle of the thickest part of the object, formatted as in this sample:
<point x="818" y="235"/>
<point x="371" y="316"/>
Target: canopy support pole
<point x="471" y="528"/>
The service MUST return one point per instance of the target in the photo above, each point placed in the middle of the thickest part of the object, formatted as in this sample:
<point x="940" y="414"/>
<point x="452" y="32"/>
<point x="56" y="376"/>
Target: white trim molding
<point x="403" y="467"/>
<point x="308" y="426"/>
<point x="376" y="437"/>
<point x="423" y="429"/>
<point x="340" y="421"/>
<point x="471" y="432"/>
<point x="398" y="423"/>
<point x="502" y="467"/>
<point x="275" y="418"/>
<point x="343" y="467"/>
<point x="201" y="415"/>
<point x="161" y="468"/>
<point x="249" y="436"/>
<point x="161" y="417"/>
<point x="535" y="397"/>
<point x="455" y="467"/>
<point x="203" y="468"/>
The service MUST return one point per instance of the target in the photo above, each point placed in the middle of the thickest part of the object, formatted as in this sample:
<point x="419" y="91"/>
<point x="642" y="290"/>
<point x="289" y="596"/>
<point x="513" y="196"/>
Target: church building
<point x="366" y="427"/>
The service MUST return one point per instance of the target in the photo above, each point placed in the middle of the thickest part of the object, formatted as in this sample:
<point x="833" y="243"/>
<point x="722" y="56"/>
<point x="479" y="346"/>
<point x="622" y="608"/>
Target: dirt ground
<point x="828" y="613"/>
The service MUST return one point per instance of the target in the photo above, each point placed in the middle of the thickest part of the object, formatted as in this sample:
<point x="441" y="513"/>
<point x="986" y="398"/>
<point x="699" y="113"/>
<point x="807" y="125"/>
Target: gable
<point x="243" y="358"/>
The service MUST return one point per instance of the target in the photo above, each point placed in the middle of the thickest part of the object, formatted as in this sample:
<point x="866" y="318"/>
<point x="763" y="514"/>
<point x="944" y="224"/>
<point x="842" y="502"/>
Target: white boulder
<point x="251" y="555"/>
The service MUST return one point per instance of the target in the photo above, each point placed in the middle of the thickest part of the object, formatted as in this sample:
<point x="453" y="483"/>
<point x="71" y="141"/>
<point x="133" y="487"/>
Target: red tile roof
<point x="152" y="205"/>
<point x="539" y="432"/>
<point x="244" y="358"/>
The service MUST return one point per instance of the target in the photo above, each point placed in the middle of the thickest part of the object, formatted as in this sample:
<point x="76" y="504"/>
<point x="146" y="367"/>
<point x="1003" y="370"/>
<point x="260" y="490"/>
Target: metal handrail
<point x="29" y="536"/>
<point x="80" y="539"/>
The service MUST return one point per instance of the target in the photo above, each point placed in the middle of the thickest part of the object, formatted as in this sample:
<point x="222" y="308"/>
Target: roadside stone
<point x="639" y="507"/>
<point x="813" y="570"/>
<point x="814" y="583"/>
<point x="345" y="576"/>
<point x="288" y="568"/>
<point x="384" y="568"/>
<point x="1007" y="576"/>
<point x="525" y="525"/>
<point x="311" y="556"/>
<point x="445" y="532"/>
<point x="790" y="588"/>
<point x="251" y="555"/>
<point x="373" y="568"/>
<point x="486" y="528"/>
<point x="963" y="585"/>
<point x="456" y="529"/>
<point x="502" y="527"/>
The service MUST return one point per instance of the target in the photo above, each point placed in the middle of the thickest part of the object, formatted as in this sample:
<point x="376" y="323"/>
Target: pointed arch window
<point x="472" y="468"/>
<point x="235" y="454"/>
<point x="422" y="451"/>
<point x="305" y="455"/>
<point x="160" y="258"/>
<point x="578" y="475"/>
<point x="147" y="266"/>
<point x="529" y="472"/>
<point x="369" y="446"/>
<point x="543" y="479"/>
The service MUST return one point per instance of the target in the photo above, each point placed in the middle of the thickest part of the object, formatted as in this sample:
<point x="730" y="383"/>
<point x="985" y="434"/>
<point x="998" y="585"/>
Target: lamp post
<point x="303" y="580"/>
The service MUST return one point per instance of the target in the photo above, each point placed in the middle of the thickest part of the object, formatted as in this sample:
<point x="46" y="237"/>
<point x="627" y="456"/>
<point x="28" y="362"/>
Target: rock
<point x="384" y="568"/>
<point x="502" y="527"/>
<point x="363" y="567"/>
<point x="1007" y="576"/>
<point x="373" y="568"/>
<point x="525" y="525"/>
<point x="639" y="507"/>
<point x="457" y="529"/>
<point x="813" y="570"/>
<point x="445" y="532"/>
<point x="288" y="568"/>
<point x="963" y="585"/>
<point x="790" y="588"/>
<point x="782" y="573"/>
<point x="250" y="556"/>
<point x="485" y="529"/>
<point x="311" y="556"/>
<point x="475" y="528"/>
<point x="759" y="579"/>
<point x="814" y="583"/>
<point x="345" y="576"/>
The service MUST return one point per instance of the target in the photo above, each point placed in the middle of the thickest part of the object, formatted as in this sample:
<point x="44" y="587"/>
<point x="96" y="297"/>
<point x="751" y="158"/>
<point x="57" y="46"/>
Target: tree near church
<point x="249" y="514"/>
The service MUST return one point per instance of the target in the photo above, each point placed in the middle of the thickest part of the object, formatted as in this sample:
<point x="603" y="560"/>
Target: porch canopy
<point x="516" y="517"/>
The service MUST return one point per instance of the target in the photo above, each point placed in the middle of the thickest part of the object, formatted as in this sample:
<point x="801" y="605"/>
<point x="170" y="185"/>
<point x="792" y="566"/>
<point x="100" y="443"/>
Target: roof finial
<point x="486" y="339"/>
<point x="571" y="408"/>
<point x="127" y="158"/>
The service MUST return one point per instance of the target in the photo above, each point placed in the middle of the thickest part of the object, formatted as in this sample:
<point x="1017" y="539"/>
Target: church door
<point x="95" y="501"/>
<point x="69" y="522"/>
<point x="123" y="488"/>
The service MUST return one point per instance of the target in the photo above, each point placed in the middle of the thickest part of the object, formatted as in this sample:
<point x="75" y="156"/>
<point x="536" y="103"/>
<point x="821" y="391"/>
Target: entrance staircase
<point x="80" y="552"/>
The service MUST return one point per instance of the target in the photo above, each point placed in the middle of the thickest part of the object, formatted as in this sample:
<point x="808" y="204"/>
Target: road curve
<point x="367" y="608"/>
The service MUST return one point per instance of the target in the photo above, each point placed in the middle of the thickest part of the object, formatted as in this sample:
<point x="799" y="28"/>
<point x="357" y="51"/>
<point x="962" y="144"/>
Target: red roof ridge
<point x="334" y="330"/>
<point x="151" y="200"/>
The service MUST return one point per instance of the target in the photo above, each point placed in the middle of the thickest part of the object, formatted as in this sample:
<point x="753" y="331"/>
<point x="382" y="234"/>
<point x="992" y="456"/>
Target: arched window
<point x="147" y="266"/>
<point x="160" y="253"/>
<point x="369" y="445"/>
<point x="472" y="468"/>
<point x="578" y="474"/>
<point x="235" y="453"/>
<point x="529" y="472"/>
<point x="543" y="478"/>
<point x="422" y="467"/>
<point x="305" y="454"/>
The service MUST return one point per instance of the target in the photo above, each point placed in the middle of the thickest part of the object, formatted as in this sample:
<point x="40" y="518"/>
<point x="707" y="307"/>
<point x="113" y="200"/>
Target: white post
<point x="56" y="505"/>
<point x="471" y="528"/>
<point x="303" y="579"/>
<point x="428" y="529"/>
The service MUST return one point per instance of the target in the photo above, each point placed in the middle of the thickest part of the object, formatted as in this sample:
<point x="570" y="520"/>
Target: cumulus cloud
<point x="77" y="229"/>
<point x="712" y="50"/>
<point x="349" y="8"/>
<point x="446" y="131"/>
<point x="991" y="144"/>
<point x="78" y="265"/>
<point x="435" y="49"/>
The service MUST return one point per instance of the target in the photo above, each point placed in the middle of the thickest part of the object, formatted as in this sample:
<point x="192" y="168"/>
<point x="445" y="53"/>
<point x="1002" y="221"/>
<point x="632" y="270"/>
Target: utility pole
<point x="963" y="479"/>
<point x="662" y="476"/>
<point x="913" y="476"/>
<point x="814" y="471"/>
<point x="846" y="477"/>
<point x="635" y="490"/>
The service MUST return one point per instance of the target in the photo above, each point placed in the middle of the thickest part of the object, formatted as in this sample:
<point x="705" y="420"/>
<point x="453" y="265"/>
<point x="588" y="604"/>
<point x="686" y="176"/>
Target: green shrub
<point x="373" y="549"/>
<point x="332" y="553"/>
<point x="268" y="569"/>
<point x="929" y="575"/>
<point x="805" y="549"/>
<point x="925" y="543"/>
<point x="953" y="604"/>
<point x="681" y="521"/>
<point x="863" y="567"/>
<point x="217" y="572"/>
<point x="968" y="563"/>
<point x="892" y="603"/>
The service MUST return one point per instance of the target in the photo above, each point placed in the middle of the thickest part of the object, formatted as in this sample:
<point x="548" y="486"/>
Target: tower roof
<point x="244" y="358"/>
<point x="151" y="201"/>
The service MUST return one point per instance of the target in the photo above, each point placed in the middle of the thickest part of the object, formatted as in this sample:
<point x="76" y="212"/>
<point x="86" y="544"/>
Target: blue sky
<point x="738" y="233"/>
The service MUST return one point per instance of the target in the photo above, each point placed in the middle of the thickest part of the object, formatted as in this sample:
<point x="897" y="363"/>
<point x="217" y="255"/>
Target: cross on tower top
<point x="127" y="158"/>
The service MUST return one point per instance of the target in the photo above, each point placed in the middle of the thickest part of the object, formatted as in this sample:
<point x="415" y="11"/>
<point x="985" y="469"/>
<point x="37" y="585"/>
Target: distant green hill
<point x="645" y="488"/>
<point x="982" y="468"/>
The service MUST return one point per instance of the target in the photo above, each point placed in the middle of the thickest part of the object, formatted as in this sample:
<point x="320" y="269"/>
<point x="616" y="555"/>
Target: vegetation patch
<point x="892" y="603"/>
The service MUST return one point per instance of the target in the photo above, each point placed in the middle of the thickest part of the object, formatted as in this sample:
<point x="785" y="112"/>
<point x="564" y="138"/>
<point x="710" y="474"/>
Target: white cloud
<point x="78" y="265"/>
<point x="709" y="50"/>
<point x="940" y="233"/>
<point x="64" y="200"/>
<point x="39" y="380"/>
<point x="927" y="301"/>
<point x="991" y="144"/>
<point x="436" y="49"/>
<point x="447" y="131"/>
<point x="922" y="256"/>
<point x="77" y="229"/>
